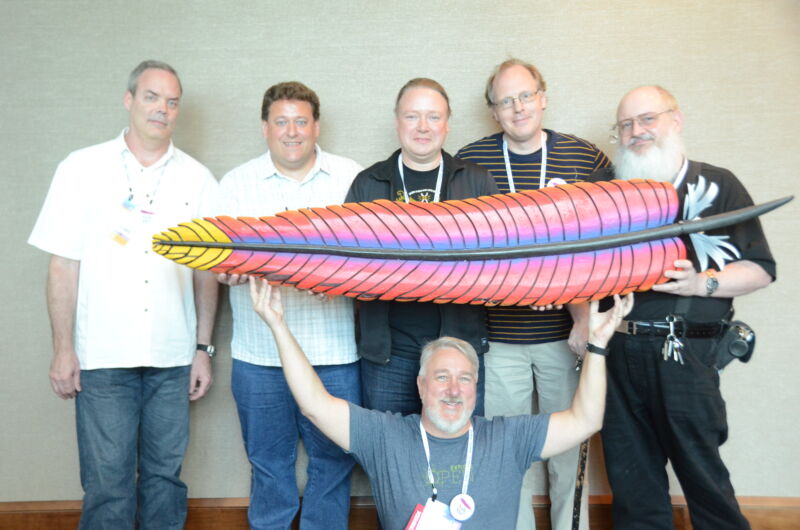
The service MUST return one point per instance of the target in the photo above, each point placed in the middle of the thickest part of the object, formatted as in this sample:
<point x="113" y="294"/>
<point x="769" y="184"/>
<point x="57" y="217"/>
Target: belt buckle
<point x="677" y="325"/>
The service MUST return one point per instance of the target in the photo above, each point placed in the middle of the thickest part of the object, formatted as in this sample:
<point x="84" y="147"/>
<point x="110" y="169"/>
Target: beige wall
<point x="733" y="65"/>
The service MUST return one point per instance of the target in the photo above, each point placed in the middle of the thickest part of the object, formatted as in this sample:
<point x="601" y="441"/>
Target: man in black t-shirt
<point x="390" y="335"/>
<point x="663" y="398"/>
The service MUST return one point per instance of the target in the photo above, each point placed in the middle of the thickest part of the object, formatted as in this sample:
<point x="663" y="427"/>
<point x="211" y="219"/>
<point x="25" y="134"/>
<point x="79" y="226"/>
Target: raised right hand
<point x="266" y="301"/>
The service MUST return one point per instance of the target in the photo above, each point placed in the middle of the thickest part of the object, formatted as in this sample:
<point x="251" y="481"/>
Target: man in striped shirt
<point x="533" y="349"/>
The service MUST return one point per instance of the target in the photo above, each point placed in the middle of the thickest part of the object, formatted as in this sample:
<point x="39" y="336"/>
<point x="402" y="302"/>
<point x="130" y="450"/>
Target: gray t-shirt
<point x="389" y="448"/>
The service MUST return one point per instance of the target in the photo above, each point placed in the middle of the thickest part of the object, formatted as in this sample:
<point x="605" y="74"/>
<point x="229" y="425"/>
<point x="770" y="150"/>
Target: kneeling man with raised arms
<point x="445" y="468"/>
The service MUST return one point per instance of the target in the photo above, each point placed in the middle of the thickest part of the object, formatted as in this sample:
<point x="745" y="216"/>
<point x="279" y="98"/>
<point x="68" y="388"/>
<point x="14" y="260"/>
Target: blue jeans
<point x="271" y="423"/>
<point x="133" y="421"/>
<point x="393" y="386"/>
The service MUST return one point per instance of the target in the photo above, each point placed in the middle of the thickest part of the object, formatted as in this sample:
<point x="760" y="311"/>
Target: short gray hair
<point x="133" y="79"/>
<point x="448" y="342"/>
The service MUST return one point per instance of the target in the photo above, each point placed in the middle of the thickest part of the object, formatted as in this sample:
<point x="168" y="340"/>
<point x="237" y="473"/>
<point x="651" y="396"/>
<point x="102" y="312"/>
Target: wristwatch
<point x="712" y="283"/>
<point x="208" y="348"/>
<point x="591" y="348"/>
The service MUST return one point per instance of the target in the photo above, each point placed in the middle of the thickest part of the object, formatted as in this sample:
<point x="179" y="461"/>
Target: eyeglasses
<point x="523" y="97"/>
<point x="647" y="121"/>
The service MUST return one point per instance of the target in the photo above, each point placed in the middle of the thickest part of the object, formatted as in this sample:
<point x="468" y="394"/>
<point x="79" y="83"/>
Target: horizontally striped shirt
<point x="569" y="159"/>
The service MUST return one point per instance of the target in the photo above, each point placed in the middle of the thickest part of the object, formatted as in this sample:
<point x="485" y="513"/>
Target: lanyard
<point x="543" y="166"/>
<point x="403" y="180"/>
<point x="152" y="194"/>
<point x="467" y="465"/>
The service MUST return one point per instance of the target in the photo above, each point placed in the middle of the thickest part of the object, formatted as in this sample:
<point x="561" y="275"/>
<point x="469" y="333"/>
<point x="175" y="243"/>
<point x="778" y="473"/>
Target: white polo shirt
<point x="323" y="328"/>
<point x="135" y="307"/>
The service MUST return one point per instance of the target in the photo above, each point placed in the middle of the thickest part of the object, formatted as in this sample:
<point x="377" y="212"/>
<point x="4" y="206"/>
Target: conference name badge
<point x="434" y="516"/>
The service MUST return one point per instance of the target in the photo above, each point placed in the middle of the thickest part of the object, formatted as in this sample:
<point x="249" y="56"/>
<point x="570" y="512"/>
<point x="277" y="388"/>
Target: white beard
<point x="657" y="163"/>
<point x="448" y="427"/>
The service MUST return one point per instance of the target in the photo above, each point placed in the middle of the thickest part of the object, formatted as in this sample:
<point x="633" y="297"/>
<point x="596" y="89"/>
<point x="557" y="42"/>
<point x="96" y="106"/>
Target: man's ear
<point x="264" y="129"/>
<point x="127" y="99"/>
<point x="494" y="114"/>
<point x="677" y="115"/>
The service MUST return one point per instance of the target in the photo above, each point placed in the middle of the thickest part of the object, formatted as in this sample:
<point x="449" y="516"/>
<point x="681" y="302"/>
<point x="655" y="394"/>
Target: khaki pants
<point x="513" y="372"/>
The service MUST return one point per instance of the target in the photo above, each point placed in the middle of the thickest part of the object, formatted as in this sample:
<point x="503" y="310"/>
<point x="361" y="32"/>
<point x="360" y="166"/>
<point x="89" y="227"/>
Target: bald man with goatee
<point x="664" y="401"/>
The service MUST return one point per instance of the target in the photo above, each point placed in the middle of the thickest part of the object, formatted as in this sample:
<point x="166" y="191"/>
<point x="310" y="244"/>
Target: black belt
<point x="661" y="329"/>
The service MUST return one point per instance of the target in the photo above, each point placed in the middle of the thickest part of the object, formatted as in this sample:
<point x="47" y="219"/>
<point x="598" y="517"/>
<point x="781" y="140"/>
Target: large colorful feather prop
<point x="552" y="246"/>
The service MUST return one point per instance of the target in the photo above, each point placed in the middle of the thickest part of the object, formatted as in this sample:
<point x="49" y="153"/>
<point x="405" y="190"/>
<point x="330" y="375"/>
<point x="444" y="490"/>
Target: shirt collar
<point x="320" y="164"/>
<point x="125" y="151"/>
<point x="681" y="174"/>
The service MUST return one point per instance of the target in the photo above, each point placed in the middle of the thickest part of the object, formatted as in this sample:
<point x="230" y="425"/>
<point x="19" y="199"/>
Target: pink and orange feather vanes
<point x="564" y="244"/>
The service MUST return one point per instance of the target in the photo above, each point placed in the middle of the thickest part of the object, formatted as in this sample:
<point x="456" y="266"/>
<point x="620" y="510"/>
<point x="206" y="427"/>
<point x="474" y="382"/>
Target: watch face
<point x="711" y="285"/>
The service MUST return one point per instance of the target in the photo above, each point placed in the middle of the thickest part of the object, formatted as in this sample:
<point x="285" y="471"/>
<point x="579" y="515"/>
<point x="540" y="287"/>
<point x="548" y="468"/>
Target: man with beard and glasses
<point x="443" y="466"/>
<point x="131" y="330"/>
<point x="664" y="401"/>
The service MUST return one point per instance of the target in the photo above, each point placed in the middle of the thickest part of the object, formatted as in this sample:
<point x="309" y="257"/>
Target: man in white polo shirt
<point x="131" y="330"/>
<point x="294" y="173"/>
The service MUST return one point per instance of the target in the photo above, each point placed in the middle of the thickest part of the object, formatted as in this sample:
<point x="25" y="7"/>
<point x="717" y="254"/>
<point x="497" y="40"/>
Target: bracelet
<point x="591" y="348"/>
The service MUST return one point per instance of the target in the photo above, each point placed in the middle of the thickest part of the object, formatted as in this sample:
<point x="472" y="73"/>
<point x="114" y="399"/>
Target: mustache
<point x="643" y="136"/>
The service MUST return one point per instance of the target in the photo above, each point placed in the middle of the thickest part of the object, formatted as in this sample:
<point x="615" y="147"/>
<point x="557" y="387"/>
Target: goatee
<point x="448" y="426"/>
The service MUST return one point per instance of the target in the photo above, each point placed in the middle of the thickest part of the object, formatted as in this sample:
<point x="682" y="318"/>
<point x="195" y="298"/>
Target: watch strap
<point x="208" y="348"/>
<point x="591" y="348"/>
<point x="712" y="283"/>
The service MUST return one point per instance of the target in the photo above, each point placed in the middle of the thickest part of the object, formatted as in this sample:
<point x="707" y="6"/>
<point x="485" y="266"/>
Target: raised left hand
<point x="602" y="325"/>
